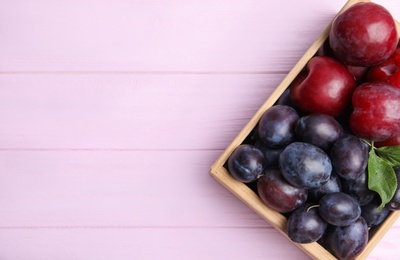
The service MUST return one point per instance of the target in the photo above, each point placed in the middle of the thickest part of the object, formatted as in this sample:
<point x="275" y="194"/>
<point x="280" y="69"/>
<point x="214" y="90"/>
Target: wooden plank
<point x="128" y="111"/>
<point x="138" y="243"/>
<point x="159" y="36"/>
<point x="120" y="189"/>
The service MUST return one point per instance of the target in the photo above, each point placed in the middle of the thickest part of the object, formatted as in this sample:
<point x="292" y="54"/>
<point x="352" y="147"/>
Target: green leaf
<point x="381" y="177"/>
<point x="390" y="153"/>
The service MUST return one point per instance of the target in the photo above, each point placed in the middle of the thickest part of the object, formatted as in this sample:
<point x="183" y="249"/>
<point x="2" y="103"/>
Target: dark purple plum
<point x="320" y="130"/>
<point x="372" y="214"/>
<point x="339" y="209"/>
<point x="334" y="184"/>
<point x="349" y="241"/>
<point x="276" y="126"/>
<point x="278" y="194"/>
<point x="305" y="165"/>
<point x="246" y="163"/>
<point x="305" y="225"/>
<point x="349" y="157"/>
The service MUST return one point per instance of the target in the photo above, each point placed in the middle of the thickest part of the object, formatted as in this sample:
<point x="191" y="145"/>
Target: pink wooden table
<point x="112" y="112"/>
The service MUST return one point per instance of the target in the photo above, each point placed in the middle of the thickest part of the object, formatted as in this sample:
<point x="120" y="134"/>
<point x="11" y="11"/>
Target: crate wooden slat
<point x="251" y="199"/>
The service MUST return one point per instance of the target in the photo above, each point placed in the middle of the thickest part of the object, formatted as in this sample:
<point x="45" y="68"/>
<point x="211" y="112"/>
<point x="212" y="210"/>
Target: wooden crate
<point x="251" y="199"/>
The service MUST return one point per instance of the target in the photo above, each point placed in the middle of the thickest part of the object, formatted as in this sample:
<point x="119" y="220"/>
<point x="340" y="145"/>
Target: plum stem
<point x="371" y="144"/>
<point x="313" y="206"/>
<point x="368" y="143"/>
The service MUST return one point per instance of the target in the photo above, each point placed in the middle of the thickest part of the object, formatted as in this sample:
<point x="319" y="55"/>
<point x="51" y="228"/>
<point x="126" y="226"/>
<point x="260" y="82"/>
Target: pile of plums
<point x="307" y="158"/>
